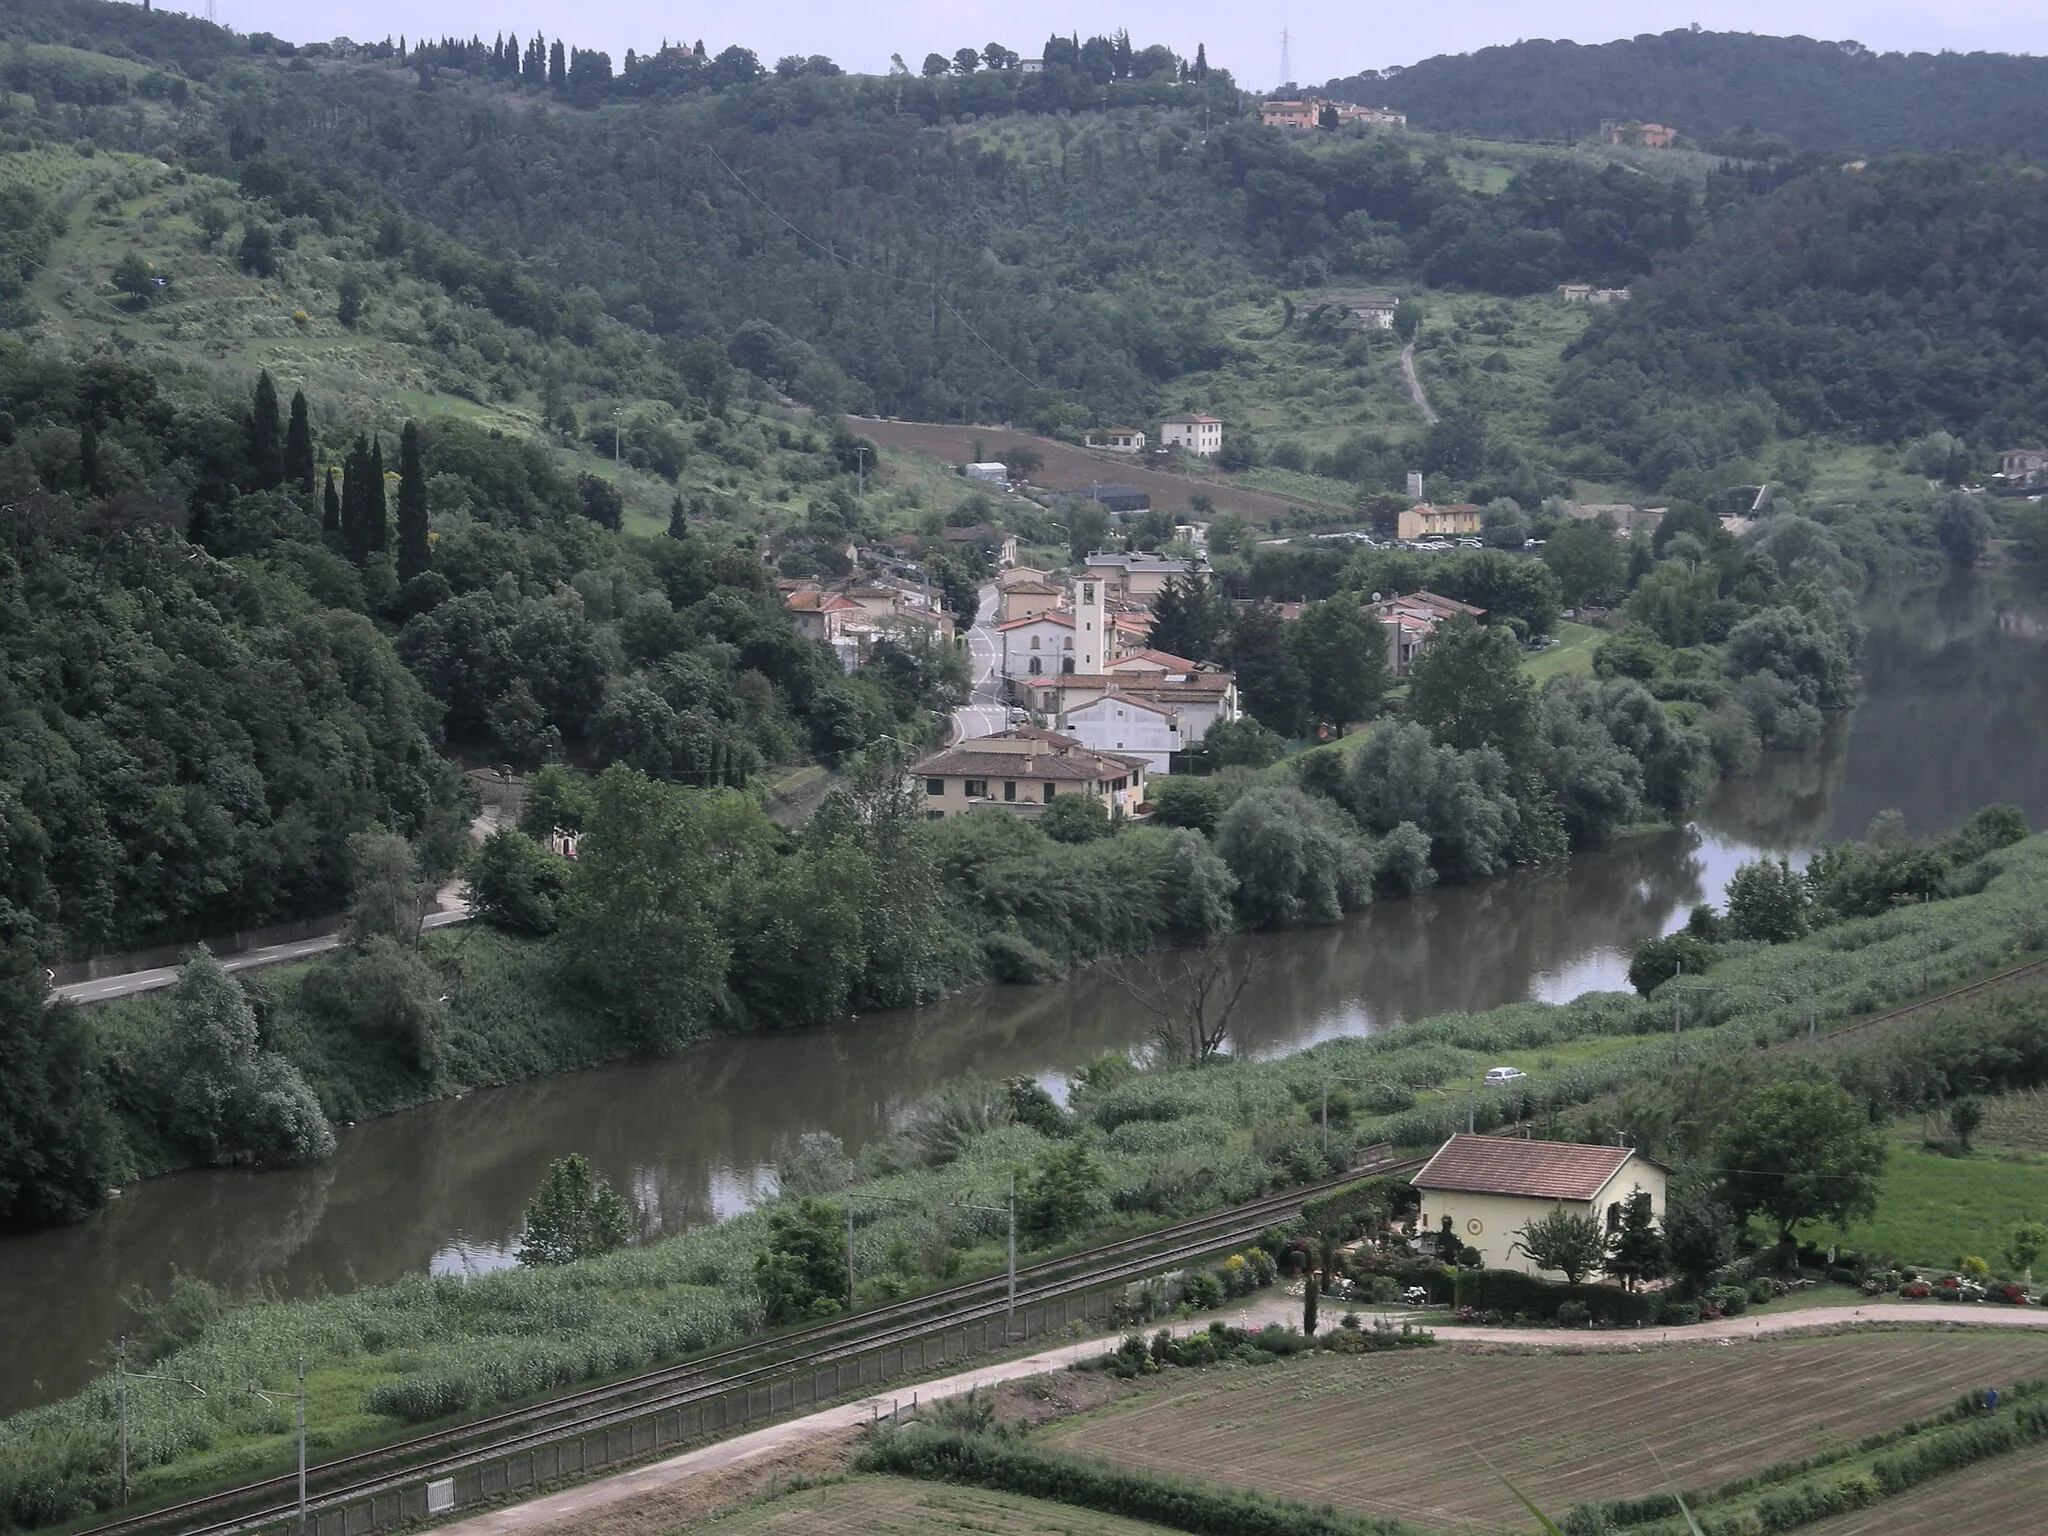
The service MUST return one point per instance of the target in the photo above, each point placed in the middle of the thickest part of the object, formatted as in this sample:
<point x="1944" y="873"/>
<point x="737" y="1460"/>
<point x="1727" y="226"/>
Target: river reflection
<point x="1956" y="716"/>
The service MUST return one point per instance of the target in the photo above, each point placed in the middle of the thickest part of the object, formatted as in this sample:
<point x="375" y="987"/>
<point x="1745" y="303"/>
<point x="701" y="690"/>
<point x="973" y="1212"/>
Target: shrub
<point x="1676" y="1314"/>
<point x="1573" y="1314"/>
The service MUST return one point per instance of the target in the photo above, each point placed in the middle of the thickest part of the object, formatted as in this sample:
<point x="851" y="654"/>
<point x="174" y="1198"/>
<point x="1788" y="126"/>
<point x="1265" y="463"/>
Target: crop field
<point x="2001" y="1497"/>
<point x="1427" y="1438"/>
<point x="896" y="1507"/>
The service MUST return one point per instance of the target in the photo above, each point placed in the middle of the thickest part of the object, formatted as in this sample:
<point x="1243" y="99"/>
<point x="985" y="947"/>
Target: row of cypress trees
<point x="354" y="514"/>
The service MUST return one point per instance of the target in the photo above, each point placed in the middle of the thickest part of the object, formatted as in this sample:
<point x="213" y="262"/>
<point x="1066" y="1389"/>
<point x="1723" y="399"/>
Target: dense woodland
<point x="1724" y="89"/>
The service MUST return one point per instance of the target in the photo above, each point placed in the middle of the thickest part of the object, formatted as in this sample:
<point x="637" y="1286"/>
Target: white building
<point x="992" y="474"/>
<point x="1038" y="645"/>
<point x="1123" y="723"/>
<point x="1202" y="435"/>
<point x="1120" y="440"/>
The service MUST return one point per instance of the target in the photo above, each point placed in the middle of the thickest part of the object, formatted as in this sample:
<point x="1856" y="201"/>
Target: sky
<point x="1326" y="40"/>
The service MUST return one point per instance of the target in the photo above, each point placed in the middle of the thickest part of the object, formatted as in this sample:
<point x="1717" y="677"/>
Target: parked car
<point x="1497" y="1075"/>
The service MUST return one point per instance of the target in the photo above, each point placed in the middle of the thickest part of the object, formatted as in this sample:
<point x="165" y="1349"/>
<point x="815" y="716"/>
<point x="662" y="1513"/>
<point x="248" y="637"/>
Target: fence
<point x="493" y="1475"/>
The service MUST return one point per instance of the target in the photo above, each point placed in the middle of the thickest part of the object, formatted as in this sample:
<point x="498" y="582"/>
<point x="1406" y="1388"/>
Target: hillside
<point x="1713" y="86"/>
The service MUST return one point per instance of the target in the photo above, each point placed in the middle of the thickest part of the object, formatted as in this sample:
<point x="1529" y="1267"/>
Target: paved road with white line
<point x="985" y="714"/>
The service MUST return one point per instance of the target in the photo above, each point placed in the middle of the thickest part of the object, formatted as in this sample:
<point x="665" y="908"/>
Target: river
<point x="1954" y="717"/>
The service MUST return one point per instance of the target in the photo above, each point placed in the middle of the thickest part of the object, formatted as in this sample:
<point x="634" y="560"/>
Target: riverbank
<point x="929" y="1203"/>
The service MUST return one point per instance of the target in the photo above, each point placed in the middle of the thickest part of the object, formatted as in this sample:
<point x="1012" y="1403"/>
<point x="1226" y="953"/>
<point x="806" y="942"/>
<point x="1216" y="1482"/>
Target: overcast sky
<point x="1327" y="38"/>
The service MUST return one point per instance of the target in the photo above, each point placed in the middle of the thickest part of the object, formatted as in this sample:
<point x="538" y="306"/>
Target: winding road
<point x="1415" y="385"/>
<point x="984" y="714"/>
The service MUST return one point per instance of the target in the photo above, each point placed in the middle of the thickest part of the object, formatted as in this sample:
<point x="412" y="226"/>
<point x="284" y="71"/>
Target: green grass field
<point x="1934" y="1209"/>
<point x="1572" y="656"/>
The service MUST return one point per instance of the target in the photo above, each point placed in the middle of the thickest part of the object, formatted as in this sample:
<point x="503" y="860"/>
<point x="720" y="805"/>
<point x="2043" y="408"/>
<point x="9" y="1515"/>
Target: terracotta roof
<point x="1191" y="421"/>
<point x="1063" y="758"/>
<point x="1158" y="658"/>
<point x="821" y="602"/>
<point x="1050" y="616"/>
<point x="1540" y="1170"/>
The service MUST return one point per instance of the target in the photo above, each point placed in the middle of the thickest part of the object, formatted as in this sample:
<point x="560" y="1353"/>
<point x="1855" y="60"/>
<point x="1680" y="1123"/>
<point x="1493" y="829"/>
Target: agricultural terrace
<point x="1420" y="1436"/>
<point x="2003" y="1494"/>
<point x="888" y="1506"/>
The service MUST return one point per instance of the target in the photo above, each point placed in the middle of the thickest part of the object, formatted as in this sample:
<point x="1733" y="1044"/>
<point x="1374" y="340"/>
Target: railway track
<point x="1991" y="983"/>
<point x="365" y="1474"/>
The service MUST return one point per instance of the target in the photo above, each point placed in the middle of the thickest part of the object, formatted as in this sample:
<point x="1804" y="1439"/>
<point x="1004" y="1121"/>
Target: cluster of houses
<point x="1634" y="135"/>
<point x="1311" y="112"/>
<point x="851" y="615"/>
<point x="1586" y="293"/>
<point x="1201" y="436"/>
<point x="2021" y="472"/>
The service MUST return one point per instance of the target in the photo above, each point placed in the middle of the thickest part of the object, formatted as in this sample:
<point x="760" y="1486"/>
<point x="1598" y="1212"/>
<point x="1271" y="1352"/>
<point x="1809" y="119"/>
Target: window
<point x="1037" y="666"/>
<point x="1009" y="789"/>
<point x="977" y="789"/>
<point x="1034" y="642"/>
<point x="1070" y="642"/>
<point x="934" y="815"/>
<point x="1066" y="664"/>
<point x="935" y="786"/>
<point x="1050" y="791"/>
<point x="1614" y="1218"/>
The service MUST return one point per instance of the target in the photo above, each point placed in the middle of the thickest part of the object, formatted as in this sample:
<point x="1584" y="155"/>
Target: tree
<point x="1590" y="563"/>
<point x="1504" y="525"/>
<point x="1699" y="1235"/>
<point x="1296" y="858"/>
<point x="1055" y="1195"/>
<point x="818" y="1166"/>
<point x="257" y="254"/>
<point x="1636" y="1251"/>
<point x="1964" y="1116"/>
<point x="1459" y="801"/>
<point x="1564" y="1241"/>
<point x="801" y="1275"/>
<point x="1269" y="679"/>
<point x="1800" y="1151"/>
<point x="1469" y="689"/>
<point x="415" y="554"/>
<point x="1075" y="818"/>
<point x="1341" y="652"/>
<point x="228" y="1100"/>
<point x="298" y="445"/>
<point x="1191" y="994"/>
<point x="558" y="66"/>
<point x="640" y="934"/>
<point x="1768" y="902"/>
<point x="574" y="1215"/>
<point x="2028" y="1241"/>
<point x="135" y="277"/>
<point x="966" y="61"/>
<point x="1310" y="1293"/>
<point x="348" y="307"/>
<point x="266" y="445"/>
<point x="935" y="65"/>
<point x="57" y="1138"/>
<point x="1187" y="618"/>
<point x="516" y="884"/>
<point x="1181" y="801"/>
<point x="386" y="897"/>
<point x="1656" y="961"/>
<point x="1962" y="527"/>
<point x="330" y="509"/>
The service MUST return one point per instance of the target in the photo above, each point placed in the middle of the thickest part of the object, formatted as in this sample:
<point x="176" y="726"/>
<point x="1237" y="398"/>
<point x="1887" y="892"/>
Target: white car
<point x="1497" y="1075"/>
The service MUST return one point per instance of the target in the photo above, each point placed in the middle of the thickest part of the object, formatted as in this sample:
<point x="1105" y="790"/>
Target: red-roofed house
<point x="1024" y="771"/>
<point x="1490" y="1187"/>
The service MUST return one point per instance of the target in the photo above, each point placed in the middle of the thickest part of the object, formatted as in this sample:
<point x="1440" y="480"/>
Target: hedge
<point x="953" y="1456"/>
<point x="1376" y="1196"/>
<point x="1510" y="1291"/>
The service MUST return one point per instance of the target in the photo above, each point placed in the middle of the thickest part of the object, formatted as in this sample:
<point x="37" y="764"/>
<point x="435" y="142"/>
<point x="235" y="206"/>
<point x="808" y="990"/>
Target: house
<point x="1036" y="645"/>
<point x="1411" y="622"/>
<point x="1300" y="116"/>
<point x="1031" y="66"/>
<point x="1425" y="520"/>
<point x="988" y="474"/>
<point x="1137" y="577"/>
<point x="2023" y="469"/>
<point x="1637" y="135"/>
<point x="1202" y="435"/>
<point x="1120" y="440"/>
<point x="1373" y="311"/>
<point x="1149" y="663"/>
<point x="1027" y="599"/>
<point x="1490" y="1187"/>
<point x="1295" y="116"/>
<point x="1021" y="575"/>
<point x="825" y="616"/>
<point x="997" y="547"/>
<point x="1198" y="698"/>
<point x="1586" y="293"/>
<point x="1126" y="723"/>
<point x="1025" y="771"/>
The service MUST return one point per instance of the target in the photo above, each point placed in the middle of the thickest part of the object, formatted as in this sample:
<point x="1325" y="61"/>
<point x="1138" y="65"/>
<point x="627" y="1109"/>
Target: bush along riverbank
<point x="1133" y="1147"/>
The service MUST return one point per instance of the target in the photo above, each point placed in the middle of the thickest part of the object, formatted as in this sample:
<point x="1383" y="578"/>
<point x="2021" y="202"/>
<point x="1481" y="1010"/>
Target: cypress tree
<point x="266" y="455"/>
<point x="330" y="511"/>
<point x="414" y="553"/>
<point x="558" y="67"/>
<point x="376" y="511"/>
<point x="1308" y="1300"/>
<point x="678" y="518"/>
<point x="88" y="460"/>
<point x="298" y="445"/>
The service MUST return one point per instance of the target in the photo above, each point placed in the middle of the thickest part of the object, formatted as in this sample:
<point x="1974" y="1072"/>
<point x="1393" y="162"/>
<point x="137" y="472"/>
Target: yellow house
<point x="1427" y="521"/>
<point x="1493" y="1186"/>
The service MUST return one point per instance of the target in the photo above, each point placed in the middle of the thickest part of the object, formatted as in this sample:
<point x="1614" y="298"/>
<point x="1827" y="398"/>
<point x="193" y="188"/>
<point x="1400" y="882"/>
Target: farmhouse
<point x="1493" y="1186"/>
<point x="1426" y="521"/>
<point x="1120" y="440"/>
<point x="1199" y="435"/>
<point x="1024" y="771"/>
<point x="1373" y="311"/>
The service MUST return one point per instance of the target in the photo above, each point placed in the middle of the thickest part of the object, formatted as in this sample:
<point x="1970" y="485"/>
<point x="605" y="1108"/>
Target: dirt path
<point x="1415" y="385"/>
<point x="781" y="1445"/>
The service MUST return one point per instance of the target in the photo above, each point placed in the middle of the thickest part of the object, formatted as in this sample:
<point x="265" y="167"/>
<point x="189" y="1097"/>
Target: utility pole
<point x="1472" y="1098"/>
<point x="849" y="1253"/>
<point x="122" y="1376"/>
<point x="860" y="460"/>
<point x="299" y="1397"/>
<point x="1326" y="1119"/>
<point x="1010" y="1300"/>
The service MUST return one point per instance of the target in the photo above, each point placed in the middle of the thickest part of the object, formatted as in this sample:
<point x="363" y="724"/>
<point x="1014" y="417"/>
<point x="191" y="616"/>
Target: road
<point x="985" y="714"/>
<point x="1415" y="385"/>
<point x="574" y="1508"/>
<point x="108" y="988"/>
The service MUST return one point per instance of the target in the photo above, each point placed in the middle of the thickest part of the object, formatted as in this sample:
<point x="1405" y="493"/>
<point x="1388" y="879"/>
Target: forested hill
<point x="1887" y="303"/>
<point x="1836" y="96"/>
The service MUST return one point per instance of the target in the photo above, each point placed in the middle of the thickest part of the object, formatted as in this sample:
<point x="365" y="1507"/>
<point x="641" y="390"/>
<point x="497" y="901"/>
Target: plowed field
<point x="886" y="1506"/>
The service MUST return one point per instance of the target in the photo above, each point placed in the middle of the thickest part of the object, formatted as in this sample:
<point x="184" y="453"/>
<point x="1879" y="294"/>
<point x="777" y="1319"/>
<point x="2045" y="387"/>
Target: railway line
<point x="365" y="1475"/>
